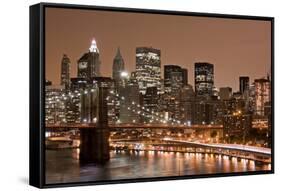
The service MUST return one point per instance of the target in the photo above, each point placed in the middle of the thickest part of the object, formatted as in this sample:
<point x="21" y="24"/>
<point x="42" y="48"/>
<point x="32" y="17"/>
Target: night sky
<point x="235" y="47"/>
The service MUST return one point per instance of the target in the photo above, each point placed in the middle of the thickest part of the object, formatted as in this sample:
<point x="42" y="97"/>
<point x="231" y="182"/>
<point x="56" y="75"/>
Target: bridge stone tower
<point x="94" y="145"/>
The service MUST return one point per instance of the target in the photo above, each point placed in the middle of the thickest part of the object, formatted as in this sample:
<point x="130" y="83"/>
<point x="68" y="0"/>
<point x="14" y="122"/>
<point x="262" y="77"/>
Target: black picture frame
<point x="37" y="89"/>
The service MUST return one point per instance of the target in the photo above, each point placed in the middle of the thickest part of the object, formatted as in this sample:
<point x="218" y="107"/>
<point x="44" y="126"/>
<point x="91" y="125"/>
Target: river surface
<point x="63" y="166"/>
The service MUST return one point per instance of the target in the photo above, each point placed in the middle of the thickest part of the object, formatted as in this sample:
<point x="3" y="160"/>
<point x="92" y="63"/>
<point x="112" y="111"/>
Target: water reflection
<point x="63" y="165"/>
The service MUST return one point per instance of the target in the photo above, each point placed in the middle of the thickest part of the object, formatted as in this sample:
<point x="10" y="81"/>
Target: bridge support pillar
<point x="94" y="145"/>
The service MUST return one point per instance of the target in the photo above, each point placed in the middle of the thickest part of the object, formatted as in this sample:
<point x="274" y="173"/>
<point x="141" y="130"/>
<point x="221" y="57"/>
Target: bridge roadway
<point x="235" y="147"/>
<point x="259" y="154"/>
<point x="134" y="126"/>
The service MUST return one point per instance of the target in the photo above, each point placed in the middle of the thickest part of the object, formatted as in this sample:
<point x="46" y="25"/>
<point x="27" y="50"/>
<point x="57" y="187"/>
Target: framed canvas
<point x="122" y="95"/>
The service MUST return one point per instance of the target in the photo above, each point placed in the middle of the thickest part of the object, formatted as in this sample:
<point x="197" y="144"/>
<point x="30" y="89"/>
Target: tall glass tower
<point x="65" y="72"/>
<point x="204" y="78"/>
<point x="243" y="83"/>
<point x="148" y="68"/>
<point x="89" y="63"/>
<point x="118" y="66"/>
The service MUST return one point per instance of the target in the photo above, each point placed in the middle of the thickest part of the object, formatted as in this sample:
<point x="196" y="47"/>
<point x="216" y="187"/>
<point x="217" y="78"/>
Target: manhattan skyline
<point x="236" y="48"/>
<point x="102" y="124"/>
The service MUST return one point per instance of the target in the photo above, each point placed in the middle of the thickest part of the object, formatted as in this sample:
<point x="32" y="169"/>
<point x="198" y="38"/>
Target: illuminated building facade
<point x="89" y="63"/>
<point x="55" y="104"/>
<point x="236" y="126"/>
<point x="204" y="78"/>
<point x="262" y="94"/>
<point x="75" y="99"/>
<point x="148" y="68"/>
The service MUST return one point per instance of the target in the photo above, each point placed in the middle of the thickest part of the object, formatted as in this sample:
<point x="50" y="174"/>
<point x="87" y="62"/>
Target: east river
<point x="63" y="166"/>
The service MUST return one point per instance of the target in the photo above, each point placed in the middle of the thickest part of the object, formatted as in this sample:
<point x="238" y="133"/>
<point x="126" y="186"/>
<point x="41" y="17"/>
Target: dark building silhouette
<point x="94" y="147"/>
<point x="48" y="83"/>
<point x="129" y="102"/>
<point x="175" y="77"/>
<point x="150" y="102"/>
<point x="186" y="103"/>
<point x="204" y="78"/>
<point x="236" y="126"/>
<point x="243" y="83"/>
<point x="184" y="76"/>
<point x="65" y="72"/>
<point x="225" y="93"/>
<point x="118" y="66"/>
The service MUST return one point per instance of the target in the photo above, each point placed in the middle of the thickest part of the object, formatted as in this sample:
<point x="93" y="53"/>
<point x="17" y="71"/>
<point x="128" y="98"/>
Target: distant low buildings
<point x="225" y="93"/>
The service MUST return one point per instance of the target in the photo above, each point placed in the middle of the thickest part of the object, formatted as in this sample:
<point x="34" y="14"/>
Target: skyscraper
<point x="54" y="104"/>
<point x="225" y="93"/>
<point x="118" y="66"/>
<point x="150" y="103"/>
<point x="262" y="94"/>
<point x="130" y="99"/>
<point x="175" y="77"/>
<point x="65" y="72"/>
<point x="186" y="104"/>
<point x="185" y="76"/>
<point x="204" y="78"/>
<point x="243" y="83"/>
<point x="148" y="68"/>
<point x="76" y="99"/>
<point x="89" y="63"/>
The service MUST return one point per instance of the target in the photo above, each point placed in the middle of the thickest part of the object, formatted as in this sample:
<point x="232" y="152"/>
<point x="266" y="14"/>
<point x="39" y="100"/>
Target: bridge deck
<point x="135" y="126"/>
<point x="253" y="149"/>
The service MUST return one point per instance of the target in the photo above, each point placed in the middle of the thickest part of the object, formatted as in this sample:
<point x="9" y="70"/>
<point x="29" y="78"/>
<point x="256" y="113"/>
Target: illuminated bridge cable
<point x="150" y="114"/>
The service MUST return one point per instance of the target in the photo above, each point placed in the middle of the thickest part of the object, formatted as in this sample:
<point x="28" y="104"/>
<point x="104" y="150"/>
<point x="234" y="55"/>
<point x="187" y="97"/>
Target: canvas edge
<point x="37" y="55"/>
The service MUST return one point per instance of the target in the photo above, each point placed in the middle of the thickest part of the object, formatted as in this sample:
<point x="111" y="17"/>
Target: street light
<point x="95" y="120"/>
<point x="124" y="74"/>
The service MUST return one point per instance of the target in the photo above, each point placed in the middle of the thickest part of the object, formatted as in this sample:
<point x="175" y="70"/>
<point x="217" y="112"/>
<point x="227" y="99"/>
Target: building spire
<point x="93" y="47"/>
<point x="118" y="53"/>
<point x="118" y="65"/>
